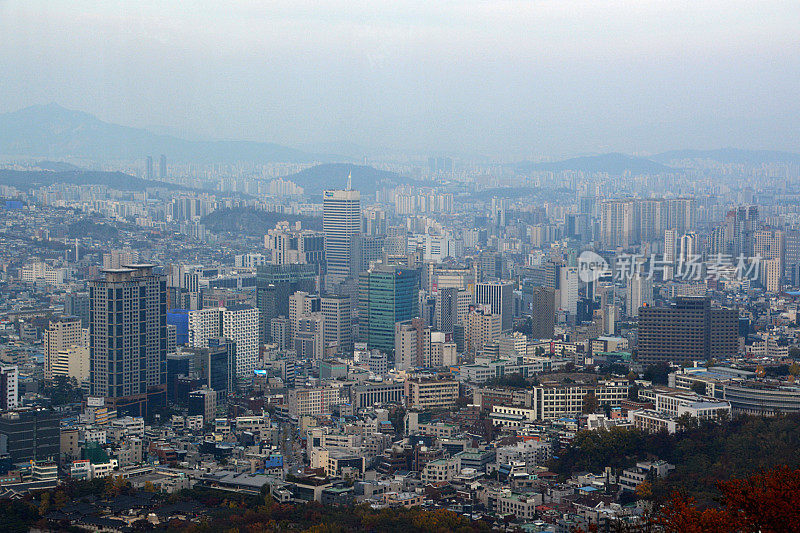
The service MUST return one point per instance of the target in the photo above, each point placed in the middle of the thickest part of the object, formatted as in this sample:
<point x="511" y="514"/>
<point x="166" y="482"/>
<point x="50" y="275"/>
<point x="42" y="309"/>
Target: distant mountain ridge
<point x="365" y="178"/>
<point x="27" y="179"/>
<point x="52" y="132"/>
<point x="612" y="163"/>
<point x="735" y="156"/>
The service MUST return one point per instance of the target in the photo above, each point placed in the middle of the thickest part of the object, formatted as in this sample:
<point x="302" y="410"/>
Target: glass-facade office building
<point x="387" y="294"/>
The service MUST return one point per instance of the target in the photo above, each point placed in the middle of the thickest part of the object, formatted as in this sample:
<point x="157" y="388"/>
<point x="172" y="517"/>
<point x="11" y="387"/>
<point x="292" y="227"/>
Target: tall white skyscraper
<point x="341" y="224"/>
<point x="499" y="296"/>
<point x="568" y="289"/>
<point x="9" y="387"/>
<point x="203" y="325"/>
<point x="670" y="253"/>
<point x="689" y="247"/>
<point x="639" y="293"/>
<point x="240" y="324"/>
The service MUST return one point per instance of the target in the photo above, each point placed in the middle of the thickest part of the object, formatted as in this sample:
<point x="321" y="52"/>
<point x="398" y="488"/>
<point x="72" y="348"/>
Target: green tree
<point x="699" y="387"/>
<point x="658" y="374"/>
<point x="686" y="422"/>
<point x="590" y="404"/>
<point x="633" y="392"/>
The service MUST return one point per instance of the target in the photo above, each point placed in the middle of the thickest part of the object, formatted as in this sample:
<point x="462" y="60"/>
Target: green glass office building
<point x="387" y="294"/>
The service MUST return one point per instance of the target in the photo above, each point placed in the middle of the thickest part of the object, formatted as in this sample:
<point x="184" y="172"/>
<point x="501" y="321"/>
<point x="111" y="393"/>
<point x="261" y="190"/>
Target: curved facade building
<point x="763" y="398"/>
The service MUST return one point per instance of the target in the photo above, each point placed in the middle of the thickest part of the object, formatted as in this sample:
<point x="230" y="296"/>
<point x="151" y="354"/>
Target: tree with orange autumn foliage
<point x="767" y="502"/>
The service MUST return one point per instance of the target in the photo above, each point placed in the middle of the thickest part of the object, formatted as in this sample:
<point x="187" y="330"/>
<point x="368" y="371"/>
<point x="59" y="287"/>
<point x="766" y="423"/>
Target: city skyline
<point x="400" y="266"/>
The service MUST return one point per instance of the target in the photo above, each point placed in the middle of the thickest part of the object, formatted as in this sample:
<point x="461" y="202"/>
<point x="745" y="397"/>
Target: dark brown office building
<point x="689" y="330"/>
<point x="28" y="434"/>
<point x="543" y="313"/>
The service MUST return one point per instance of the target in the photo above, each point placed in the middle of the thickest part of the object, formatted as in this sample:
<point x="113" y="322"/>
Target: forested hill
<point x="365" y="179"/>
<point x="28" y="179"/>
<point x="249" y="221"/>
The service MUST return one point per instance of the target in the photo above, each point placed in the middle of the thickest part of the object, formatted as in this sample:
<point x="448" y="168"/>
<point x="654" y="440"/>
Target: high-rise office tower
<point x="309" y="339"/>
<point x="412" y="339"/>
<point x="373" y="221"/>
<point x="791" y="250"/>
<point x="543" y="312"/>
<point x="681" y="214"/>
<point x="279" y="329"/>
<point x="9" y="387"/>
<point x="740" y="225"/>
<point x="202" y="324"/>
<point x="587" y="204"/>
<point x="128" y="338"/>
<point x="274" y="285"/>
<point x="336" y="312"/>
<point x="578" y="226"/>
<point x="341" y="224"/>
<point x="670" y="253"/>
<point x="482" y="327"/>
<point x="492" y="265"/>
<point x="31" y="435"/>
<point x="240" y="324"/>
<point x="609" y="316"/>
<point x="292" y="245"/>
<point x="639" y="293"/>
<point x="771" y="275"/>
<point x="770" y="243"/>
<point x="498" y="211"/>
<point x="442" y="277"/>
<point x="652" y="219"/>
<point x="370" y="250"/>
<point x="220" y="370"/>
<point x="300" y="304"/>
<point x="119" y="258"/>
<point x="451" y="307"/>
<point x="162" y="166"/>
<point x="690" y="330"/>
<point x="73" y="362"/>
<point x="499" y="297"/>
<point x="203" y="402"/>
<point x="688" y="251"/>
<point x="387" y="295"/>
<point x="61" y="334"/>
<point x="567" y="294"/>
<point x="77" y="304"/>
<point x="619" y="223"/>
<point x="149" y="169"/>
<point x="442" y="352"/>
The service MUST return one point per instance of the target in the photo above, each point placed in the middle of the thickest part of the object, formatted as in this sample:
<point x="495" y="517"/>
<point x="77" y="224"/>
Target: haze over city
<point x="504" y="80"/>
<point x="457" y="266"/>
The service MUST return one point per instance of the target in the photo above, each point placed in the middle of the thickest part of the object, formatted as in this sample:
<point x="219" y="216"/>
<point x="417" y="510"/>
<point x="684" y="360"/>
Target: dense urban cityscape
<point x="440" y="343"/>
<point x="201" y="335"/>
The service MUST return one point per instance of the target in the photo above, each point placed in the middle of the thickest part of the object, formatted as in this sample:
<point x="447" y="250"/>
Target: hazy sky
<point x="504" y="78"/>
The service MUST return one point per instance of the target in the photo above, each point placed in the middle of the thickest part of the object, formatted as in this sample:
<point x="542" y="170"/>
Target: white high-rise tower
<point x="341" y="224"/>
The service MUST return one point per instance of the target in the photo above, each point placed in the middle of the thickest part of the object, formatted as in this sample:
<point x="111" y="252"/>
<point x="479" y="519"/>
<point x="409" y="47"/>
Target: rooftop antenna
<point x="350" y="181"/>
